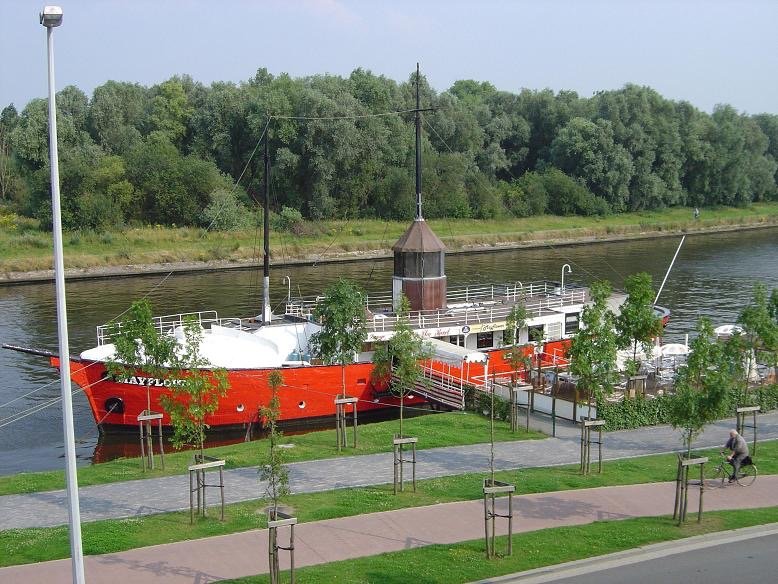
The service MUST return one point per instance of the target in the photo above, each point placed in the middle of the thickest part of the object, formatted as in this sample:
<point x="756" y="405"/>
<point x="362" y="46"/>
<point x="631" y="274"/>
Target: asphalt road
<point x="742" y="556"/>
<point x="743" y="562"/>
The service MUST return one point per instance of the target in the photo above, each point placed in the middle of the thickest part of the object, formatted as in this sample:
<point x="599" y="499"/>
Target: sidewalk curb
<point x="632" y="556"/>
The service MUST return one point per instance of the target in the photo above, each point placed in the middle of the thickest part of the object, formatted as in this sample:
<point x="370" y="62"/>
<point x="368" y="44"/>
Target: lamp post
<point x="569" y="271"/>
<point x="51" y="17"/>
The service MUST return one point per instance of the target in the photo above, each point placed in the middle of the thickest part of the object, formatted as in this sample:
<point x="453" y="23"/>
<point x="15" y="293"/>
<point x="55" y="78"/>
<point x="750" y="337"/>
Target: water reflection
<point x="713" y="276"/>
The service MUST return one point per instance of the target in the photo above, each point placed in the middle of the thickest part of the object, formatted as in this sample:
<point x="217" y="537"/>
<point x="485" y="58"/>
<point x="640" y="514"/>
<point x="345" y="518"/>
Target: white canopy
<point x="727" y="330"/>
<point x="674" y="349"/>
<point x="454" y="354"/>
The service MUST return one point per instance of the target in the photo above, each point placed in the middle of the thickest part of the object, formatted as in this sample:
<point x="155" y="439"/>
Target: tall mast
<point x="266" y="228"/>
<point x="418" y="149"/>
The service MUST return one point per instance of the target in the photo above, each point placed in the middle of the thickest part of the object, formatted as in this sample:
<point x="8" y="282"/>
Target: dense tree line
<point x="172" y="153"/>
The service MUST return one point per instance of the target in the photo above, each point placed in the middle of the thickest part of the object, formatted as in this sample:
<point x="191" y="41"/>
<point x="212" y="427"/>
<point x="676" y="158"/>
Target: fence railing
<point x="168" y="323"/>
<point x="467" y="305"/>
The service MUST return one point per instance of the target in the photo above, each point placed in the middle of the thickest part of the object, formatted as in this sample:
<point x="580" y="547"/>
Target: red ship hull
<point x="306" y="393"/>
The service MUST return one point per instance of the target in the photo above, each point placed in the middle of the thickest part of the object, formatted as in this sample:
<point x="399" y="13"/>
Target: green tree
<point x="197" y="393"/>
<point x="272" y="470"/>
<point x="760" y="332"/>
<point x="593" y="349"/>
<point x="170" y="110"/>
<point x="342" y="317"/>
<point x="701" y="386"/>
<point x="9" y="175"/>
<point x="400" y="358"/>
<point x="117" y="114"/>
<point x="587" y="150"/>
<point x="139" y="346"/>
<point x="516" y="355"/>
<point x="637" y="325"/>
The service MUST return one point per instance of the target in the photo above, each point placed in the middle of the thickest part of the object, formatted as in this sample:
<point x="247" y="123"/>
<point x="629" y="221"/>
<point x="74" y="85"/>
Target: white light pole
<point x="569" y="271"/>
<point x="51" y="17"/>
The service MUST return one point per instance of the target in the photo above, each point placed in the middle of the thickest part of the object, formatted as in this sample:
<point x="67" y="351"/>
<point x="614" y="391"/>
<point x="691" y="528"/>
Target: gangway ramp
<point x="446" y="373"/>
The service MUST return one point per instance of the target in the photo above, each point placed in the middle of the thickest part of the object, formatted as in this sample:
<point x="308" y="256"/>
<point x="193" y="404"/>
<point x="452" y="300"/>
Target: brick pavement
<point x="242" y="554"/>
<point x="143" y="497"/>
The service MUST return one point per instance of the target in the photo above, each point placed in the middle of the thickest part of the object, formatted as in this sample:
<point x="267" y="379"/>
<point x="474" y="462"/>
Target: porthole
<point x="114" y="405"/>
<point x="240" y="407"/>
<point x="301" y="405"/>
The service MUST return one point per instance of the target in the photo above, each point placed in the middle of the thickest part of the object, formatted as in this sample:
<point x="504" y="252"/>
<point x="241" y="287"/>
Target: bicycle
<point x="725" y="472"/>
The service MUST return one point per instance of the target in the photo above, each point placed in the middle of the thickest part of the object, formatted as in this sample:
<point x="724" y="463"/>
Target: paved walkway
<point x="143" y="497"/>
<point x="242" y="554"/>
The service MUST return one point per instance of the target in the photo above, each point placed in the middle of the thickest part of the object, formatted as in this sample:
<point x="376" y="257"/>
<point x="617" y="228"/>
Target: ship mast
<point x="266" y="314"/>
<point x="419" y="255"/>
<point x="419" y="216"/>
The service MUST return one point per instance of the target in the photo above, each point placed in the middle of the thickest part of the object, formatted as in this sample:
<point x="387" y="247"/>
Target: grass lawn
<point x="433" y="430"/>
<point x="465" y="562"/>
<point x="41" y="544"/>
<point x="24" y="248"/>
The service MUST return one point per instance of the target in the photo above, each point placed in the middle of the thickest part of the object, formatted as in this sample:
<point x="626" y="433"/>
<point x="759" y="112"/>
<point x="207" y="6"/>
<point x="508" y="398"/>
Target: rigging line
<point x="348" y="117"/>
<point x="245" y="168"/>
<point x="34" y="410"/>
<point x="29" y="393"/>
<point x="97" y="425"/>
<point x="375" y="260"/>
<point x="478" y="174"/>
<point x="334" y="239"/>
<point x="44" y="386"/>
<point x="207" y="229"/>
<point x="614" y="270"/>
<point x="38" y="407"/>
<point x="568" y="260"/>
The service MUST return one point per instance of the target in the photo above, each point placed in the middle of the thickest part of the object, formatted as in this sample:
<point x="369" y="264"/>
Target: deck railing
<point x="467" y="305"/>
<point x="166" y="324"/>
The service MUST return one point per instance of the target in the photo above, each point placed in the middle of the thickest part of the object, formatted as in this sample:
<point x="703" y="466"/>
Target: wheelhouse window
<point x="571" y="323"/>
<point x="535" y="332"/>
<point x="485" y="340"/>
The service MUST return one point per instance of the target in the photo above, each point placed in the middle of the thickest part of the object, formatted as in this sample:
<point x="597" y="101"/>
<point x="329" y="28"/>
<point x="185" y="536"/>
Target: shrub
<point x="288" y="219"/>
<point x="225" y="212"/>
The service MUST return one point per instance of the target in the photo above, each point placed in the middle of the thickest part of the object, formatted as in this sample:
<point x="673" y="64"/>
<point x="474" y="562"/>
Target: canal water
<point x="713" y="276"/>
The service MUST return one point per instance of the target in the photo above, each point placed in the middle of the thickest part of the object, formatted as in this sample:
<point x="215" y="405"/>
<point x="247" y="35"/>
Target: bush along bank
<point x="629" y="413"/>
<point x="641" y="411"/>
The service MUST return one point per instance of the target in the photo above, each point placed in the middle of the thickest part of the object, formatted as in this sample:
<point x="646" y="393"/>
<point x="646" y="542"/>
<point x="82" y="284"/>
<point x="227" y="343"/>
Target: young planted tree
<point x="701" y="386"/>
<point x="342" y="317"/>
<point x="637" y="325"/>
<point x="516" y="355"/>
<point x="197" y="393"/>
<point x="276" y="478"/>
<point x="760" y="333"/>
<point x="273" y="471"/>
<point x="400" y="358"/>
<point x="139" y="346"/>
<point x="593" y="349"/>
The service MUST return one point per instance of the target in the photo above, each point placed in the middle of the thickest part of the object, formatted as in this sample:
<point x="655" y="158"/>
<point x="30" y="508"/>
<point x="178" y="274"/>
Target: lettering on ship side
<point x="150" y="381"/>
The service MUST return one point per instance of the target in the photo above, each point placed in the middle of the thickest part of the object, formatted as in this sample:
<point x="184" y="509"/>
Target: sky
<point x="702" y="51"/>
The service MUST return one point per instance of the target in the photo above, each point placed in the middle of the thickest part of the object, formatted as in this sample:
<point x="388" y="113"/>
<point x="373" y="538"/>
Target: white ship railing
<point x="167" y="324"/>
<point x="467" y="305"/>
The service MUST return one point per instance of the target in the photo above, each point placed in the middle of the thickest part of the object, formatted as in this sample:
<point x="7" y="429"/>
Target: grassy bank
<point x="41" y="544"/>
<point x="465" y="562"/>
<point x="24" y="249"/>
<point x="433" y="430"/>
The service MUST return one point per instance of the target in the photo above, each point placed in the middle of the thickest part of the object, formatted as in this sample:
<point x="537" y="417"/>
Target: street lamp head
<point x="51" y="16"/>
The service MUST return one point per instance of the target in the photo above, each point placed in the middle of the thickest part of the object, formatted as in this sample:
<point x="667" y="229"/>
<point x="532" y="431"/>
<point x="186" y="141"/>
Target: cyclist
<point x="738" y="452"/>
